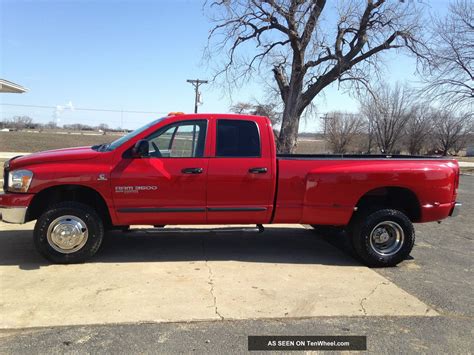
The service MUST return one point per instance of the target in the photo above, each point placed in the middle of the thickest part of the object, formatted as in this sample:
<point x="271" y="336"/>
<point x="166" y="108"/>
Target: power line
<point x="83" y="109"/>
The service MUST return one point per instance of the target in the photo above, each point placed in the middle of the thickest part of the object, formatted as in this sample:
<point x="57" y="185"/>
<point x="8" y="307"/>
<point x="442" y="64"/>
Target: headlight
<point x="19" y="180"/>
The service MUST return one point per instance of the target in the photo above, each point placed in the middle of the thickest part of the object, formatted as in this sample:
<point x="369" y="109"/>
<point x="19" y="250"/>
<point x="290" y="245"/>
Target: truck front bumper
<point x="14" y="207"/>
<point x="13" y="214"/>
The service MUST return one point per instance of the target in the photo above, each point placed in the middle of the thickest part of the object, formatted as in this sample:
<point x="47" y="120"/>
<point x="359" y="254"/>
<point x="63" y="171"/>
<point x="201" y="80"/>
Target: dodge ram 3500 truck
<point x="222" y="169"/>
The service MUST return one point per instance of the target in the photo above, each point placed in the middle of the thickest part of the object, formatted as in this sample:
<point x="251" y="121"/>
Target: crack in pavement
<point x="362" y="300"/>
<point x="100" y="290"/>
<point x="211" y="282"/>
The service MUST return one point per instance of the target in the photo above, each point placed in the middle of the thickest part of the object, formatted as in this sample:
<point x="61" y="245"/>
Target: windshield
<point x="117" y="143"/>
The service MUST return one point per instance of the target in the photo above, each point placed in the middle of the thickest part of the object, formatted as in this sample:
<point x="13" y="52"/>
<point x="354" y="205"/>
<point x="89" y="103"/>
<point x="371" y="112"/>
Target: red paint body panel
<point x="326" y="191"/>
<point x="230" y="185"/>
<point x="173" y="190"/>
<point x="15" y="200"/>
<point x="293" y="190"/>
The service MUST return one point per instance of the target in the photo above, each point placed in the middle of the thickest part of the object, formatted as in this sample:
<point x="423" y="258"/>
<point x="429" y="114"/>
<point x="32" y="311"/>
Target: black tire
<point x="368" y="250"/>
<point x="95" y="233"/>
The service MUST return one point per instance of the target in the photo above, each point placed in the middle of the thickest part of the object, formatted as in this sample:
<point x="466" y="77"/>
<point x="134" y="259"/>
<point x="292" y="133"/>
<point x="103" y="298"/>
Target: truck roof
<point x="215" y="115"/>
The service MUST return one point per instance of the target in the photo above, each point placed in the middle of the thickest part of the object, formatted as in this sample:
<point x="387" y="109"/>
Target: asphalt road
<point x="439" y="273"/>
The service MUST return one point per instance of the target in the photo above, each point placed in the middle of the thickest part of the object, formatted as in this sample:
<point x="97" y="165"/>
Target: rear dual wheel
<point x="382" y="238"/>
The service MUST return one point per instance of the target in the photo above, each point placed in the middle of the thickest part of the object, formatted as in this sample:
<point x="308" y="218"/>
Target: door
<point x="240" y="177"/>
<point x="168" y="186"/>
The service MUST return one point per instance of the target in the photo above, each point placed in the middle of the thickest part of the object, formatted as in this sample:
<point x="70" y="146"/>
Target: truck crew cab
<point x="222" y="169"/>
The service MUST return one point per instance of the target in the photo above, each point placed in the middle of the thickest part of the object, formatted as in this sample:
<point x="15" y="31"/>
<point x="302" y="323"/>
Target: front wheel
<point x="382" y="238"/>
<point x="68" y="233"/>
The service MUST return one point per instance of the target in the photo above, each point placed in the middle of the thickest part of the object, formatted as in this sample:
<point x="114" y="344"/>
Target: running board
<point x="257" y="229"/>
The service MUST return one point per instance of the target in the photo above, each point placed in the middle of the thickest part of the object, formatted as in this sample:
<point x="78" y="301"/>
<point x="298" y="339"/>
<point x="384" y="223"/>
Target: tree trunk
<point x="445" y="149"/>
<point x="288" y="138"/>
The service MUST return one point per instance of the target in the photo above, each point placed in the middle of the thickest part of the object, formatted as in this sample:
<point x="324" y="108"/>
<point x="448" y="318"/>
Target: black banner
<point x="301" y="342"/>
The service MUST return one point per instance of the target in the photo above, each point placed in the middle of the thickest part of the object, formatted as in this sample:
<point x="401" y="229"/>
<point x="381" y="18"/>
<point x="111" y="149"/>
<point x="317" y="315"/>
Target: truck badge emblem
<point x="102" y="177"/>
<point x="134" y="189"/>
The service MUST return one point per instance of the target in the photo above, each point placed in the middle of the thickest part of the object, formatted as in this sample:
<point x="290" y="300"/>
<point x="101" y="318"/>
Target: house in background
<point x="9" y="87"/>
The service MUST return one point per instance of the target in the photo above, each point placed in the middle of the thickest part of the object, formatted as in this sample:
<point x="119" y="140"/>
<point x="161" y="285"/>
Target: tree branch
<point x="282" y="81"/>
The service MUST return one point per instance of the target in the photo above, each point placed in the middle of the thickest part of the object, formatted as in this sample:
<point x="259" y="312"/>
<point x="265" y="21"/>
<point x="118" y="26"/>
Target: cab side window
<point x="180" y="140"/>
<point x="237" y="138"/>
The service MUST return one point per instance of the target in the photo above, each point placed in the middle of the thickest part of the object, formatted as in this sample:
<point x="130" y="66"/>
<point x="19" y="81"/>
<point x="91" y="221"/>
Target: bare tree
<point x="451" y="56"/>
<point x="260" y="109"/>
<point x="388" y="110"/>
<point x="51" y="125"/>
<point x="21" y="122"/>
<point x="104" y="128"/>
<point x="341" y="129"/>
<point x="4" y="123"/>
<point x="418" y="128"/>
<point x="242" y="108"/>
<point x="370" y="135"/>
<point x="451" y="130"/>
<point x="78" y="127"/>
<point x="308" y="46"/>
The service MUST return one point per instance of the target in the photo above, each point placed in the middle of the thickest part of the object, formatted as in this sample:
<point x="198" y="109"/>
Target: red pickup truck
<point x="222" y="169"/>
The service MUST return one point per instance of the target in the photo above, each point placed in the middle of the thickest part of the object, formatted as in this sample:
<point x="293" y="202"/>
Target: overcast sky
<point x="125" y="55"/>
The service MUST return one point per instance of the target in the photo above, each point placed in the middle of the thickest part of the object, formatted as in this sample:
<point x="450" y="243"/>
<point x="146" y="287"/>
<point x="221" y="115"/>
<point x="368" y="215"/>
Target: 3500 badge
<point x="134" y="189"/>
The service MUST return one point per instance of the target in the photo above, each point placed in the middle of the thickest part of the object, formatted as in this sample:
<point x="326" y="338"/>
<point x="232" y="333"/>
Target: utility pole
<point x="196" y="83"/>
<point x="325" y="118"/>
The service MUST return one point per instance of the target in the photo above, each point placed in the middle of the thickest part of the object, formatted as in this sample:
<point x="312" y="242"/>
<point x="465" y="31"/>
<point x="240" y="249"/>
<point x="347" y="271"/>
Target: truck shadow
<point x="275" y="245"/>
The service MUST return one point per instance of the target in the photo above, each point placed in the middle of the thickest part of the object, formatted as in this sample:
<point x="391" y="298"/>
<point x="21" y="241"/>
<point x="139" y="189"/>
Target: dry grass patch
<point x="37" y="142"/>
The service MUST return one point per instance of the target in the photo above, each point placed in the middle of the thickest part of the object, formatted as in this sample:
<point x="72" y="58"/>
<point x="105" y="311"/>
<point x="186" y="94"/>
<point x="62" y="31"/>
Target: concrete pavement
<point x="286" y="272"/>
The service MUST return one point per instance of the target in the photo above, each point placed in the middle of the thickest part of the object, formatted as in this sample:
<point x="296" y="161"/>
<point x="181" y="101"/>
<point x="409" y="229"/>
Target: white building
<point x="9" y="87"/>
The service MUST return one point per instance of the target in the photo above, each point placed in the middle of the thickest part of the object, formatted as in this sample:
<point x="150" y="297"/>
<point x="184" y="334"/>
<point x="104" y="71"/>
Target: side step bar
<point x="257" y="229"/>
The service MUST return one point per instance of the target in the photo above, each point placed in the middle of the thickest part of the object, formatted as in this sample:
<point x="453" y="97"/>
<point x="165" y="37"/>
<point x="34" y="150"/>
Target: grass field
<point x="468" y="159"/>
<point x="36" y="142"/>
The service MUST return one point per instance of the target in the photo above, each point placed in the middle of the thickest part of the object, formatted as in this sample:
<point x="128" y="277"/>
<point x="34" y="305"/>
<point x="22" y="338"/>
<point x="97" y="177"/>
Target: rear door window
<point x="237" y="138"/>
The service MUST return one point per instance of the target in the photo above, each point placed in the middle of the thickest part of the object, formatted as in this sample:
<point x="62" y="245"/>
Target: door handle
<point x="258" y="170"/>
<point x="192" y="171"/>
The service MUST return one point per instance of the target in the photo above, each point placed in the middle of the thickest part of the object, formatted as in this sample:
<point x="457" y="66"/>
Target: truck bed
<point x="326" y="189"/>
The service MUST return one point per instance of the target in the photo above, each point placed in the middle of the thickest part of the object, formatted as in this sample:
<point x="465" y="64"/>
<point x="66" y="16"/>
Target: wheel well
<point x="399" y="198"/>
<point x="53" y="195"/>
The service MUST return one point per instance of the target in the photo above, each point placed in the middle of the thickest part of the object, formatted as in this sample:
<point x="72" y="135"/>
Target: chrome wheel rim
<point x="387" y="238"/>
<point x="67" y="234"/>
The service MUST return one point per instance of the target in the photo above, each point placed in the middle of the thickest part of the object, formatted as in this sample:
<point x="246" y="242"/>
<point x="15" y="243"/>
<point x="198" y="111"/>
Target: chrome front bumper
<point x="13" y="214"/>
<point x="456" y="209"/>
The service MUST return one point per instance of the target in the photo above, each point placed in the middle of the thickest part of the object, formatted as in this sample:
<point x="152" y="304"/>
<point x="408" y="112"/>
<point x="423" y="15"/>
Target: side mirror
<point x="141" y="149"/>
